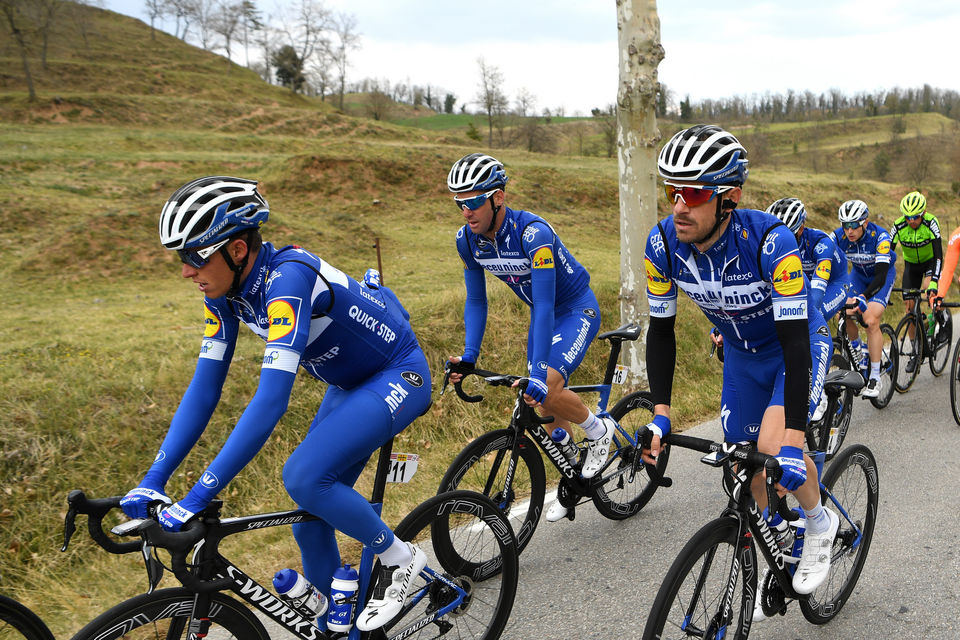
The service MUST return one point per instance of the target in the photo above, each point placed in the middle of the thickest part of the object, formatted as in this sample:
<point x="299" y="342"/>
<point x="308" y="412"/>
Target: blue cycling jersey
<point x="871" y="249"/>
<point x="823" y="263"/>
<point x="529" y="256"/>
<point x="750" y="278"/>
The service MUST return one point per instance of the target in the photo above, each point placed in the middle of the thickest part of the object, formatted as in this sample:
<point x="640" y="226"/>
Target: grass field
<point x="102" y="333"/>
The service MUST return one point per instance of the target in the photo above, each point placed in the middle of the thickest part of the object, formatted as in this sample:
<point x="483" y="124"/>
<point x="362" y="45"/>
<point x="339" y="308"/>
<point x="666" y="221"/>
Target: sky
<point x="565" y="52"/>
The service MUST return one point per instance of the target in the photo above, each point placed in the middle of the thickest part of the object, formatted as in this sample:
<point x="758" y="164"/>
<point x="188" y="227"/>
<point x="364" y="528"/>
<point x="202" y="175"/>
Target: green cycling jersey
<point x="920" y="244"/>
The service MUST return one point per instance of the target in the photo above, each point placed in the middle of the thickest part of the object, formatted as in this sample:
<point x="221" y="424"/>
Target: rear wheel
<point x="832" y="427"/>
<point x="911" y="351"/>
<point x="942" y="337"/>
<point x="17" y="622"/>
<point x="889" y="363"/>
<point x="955" y="383"/>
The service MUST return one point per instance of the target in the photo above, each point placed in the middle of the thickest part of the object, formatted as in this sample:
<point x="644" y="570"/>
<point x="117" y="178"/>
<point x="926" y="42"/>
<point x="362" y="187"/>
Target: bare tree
<point x="490" y="96"/>
<point x="306" y="28"/>
<point x="526" y="102"/>
<point x="182" y="10"/>
<point x="45" y="16"/>
<point x="19" y="27"/>
<point x="920" y="159"/>
<point x="344" y="27"/>
<point x="640" y="54"/>
<point x="320" y="73"/>
<point x="226" y="20"/>
<point x="379" y="103"/>
<point x="251" y="21"/>
<point x="156" y="10"/>
<point x="204" y="13"/>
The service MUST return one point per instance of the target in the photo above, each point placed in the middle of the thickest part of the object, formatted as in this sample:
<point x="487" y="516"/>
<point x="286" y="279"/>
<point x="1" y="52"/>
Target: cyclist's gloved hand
<point x="861" y="303"/>
<point x="660" y="426"/>
<point x="174" y="517"/>
<point x="135" y="503"/>
<point x="371" y="279"/>
<point x="793" y="466"/>
<point x="937" y="302"/>
<point x="537" y="389"/>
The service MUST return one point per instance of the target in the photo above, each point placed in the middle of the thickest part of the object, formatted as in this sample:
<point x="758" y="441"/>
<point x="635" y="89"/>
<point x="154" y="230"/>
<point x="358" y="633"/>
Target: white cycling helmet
<point x="476" y="172"/>
<point x="704" y="153"/>
<point x="853" y="211"/>
<point x="208" y="210"/>
<point x="790" y="211"/>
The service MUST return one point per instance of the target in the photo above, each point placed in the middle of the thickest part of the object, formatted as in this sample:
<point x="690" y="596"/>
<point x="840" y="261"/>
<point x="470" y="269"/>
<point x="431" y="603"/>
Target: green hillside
<point x="102" y="332"/>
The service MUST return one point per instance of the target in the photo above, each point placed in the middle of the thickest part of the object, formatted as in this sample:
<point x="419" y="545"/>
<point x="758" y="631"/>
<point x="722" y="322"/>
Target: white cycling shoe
<point x="872" y="390"/>
<point x="814" y="565"/>
<point x="556" y="511"/>
<point x="391" y="591"/>
<point x="598" y="450"/>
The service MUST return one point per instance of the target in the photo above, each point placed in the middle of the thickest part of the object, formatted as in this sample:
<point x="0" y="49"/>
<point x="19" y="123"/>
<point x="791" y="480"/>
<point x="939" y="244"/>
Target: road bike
<point x="17" y="622"/>
<point x="954" y="371"/>
<point x="710" y="589"/>
<point x="466" y="590"/>
<point x="505" y="464"/>
<point x="917" y="344"/>
<point x="889" y="356"/>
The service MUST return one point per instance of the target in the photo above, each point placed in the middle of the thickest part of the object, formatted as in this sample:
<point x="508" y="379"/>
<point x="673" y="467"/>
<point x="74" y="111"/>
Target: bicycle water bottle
<point x="931" y="324"/>
<point x="343" y="598"/>
<point x="566" y="444"/>
<point x="783" y="533"/>
<point x="297" y="592"/>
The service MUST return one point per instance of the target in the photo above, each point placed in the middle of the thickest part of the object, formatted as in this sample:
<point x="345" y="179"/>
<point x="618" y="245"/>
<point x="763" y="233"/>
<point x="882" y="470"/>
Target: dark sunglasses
<point x="692" y="195"/>
<point x="851" y="225"/>
<point x="197" y="258"/>
<point x="474" y="202"/>
<point x="916" y="217"/>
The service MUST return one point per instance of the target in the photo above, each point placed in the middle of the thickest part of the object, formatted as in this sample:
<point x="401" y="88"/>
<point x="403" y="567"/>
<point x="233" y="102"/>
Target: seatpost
<point x="615" y="346"/>
<point x="380" y="479"/>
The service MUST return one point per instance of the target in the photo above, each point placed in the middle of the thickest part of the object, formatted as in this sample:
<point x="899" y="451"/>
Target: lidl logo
<point x="823" y="269"/>
<point x="211" y="323"/>
<point x="657" y="283"/>
<point x="282" y="319"/>
<point x="883" y="246"/>
<point x="543" y="258"/>
<point x="788" y="276"/>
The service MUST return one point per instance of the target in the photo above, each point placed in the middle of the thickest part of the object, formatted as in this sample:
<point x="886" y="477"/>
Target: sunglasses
<point x="692" y="195"/>
<point x="197" y="258"/>
<point x="474" y="202"/>
<point x="912" y="218"/>
<point x="851" y="225"/>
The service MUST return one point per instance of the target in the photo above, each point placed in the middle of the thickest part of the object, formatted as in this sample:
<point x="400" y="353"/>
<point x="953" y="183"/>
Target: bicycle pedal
<point x="571" y="514"/>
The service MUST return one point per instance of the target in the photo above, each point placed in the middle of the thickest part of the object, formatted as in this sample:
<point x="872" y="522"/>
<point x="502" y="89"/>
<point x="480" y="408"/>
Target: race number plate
<point x="402" y="467"/>
<point x="620" y="375"/>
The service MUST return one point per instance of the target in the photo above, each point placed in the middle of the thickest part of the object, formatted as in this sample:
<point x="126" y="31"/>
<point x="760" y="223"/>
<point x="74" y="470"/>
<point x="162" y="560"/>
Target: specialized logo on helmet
<point x="543" y="258"/>
<point x="282" y="320"/>
<point x="788" y="276"/>
<point x="823" y="269"/>
<point x="883" y="246"/>
<point x="211" y="323"/>
<point x="657" y="284"/>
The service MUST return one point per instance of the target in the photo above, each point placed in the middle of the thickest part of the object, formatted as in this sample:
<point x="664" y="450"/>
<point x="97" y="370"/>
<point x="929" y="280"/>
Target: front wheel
<point x="889" y="364"/>
<point x="508" y="470"/>
<point x="689" y="602"/>
<point x="166" y="614"/>
<point x="853" y="481"/>
<point x="468" y="543"/>
<point x="940" y="343"/>
<point x="17" y="621"/>
<point x="624" y="487"/>
<point x="911" y="351"/>
<point x="955" y="383"/>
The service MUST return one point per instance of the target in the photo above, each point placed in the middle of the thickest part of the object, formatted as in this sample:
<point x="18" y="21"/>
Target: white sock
<point x="594" y="428"/>
<point x="817" y="519"/>
<point x="875" y="370"/>
<point x="397" y="554"/>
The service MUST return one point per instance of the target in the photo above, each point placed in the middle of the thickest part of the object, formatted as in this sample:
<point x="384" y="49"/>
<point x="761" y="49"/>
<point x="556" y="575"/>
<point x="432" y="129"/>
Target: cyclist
<point x="918" y="232"/>
<point x="872" y="273"/>
<point x="742" y="268"/>
<point x="525" y="252"/>
<point x="355" y="337"/>
<point x="949" y="265"/>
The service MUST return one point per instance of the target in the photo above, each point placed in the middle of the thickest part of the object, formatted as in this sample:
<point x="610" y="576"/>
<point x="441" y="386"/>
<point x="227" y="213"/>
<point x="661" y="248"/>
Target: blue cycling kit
<point x="355" y="337"/>
<point x="825" y="266"/>
<point x="529" y="256"/>
<point x="865" y="255"/>
<point x="750" y="285"/>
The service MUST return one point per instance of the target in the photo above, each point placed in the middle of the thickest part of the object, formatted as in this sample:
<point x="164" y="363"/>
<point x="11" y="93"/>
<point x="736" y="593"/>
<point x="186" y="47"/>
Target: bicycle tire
<point x="889" y="363"/>
<point x="617" y="496"/>
<point x="838" y="421"/>
<point x="166" y="614"/>
<point x="854" y="481"/>
<point x="706" y="561"/>
<point x="17" y="621"/>
<point x="449" y="527"/>
<point x="482" y="466"/>
<point x="955" y="383"/>
<point x="942" y="338"/>
<point x="909" y="348"/>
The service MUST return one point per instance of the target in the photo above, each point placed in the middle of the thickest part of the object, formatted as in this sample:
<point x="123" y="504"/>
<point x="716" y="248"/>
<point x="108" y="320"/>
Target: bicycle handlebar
<point x="95" y="510"/>
<point x="491" y="377"/>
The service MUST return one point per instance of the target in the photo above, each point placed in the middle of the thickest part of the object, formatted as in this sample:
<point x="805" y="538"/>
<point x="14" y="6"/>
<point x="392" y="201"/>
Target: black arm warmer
<point x="662" y="358"/>
<point x="794" y="336"/>
<point x="938" y="256"/>
<point x="879" y="277"/>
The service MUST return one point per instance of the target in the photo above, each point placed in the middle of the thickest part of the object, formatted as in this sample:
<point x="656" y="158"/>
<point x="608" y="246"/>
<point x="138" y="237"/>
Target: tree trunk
<point x="637" y="138"/>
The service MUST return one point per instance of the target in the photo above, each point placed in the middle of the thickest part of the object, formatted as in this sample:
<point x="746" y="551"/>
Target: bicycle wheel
<point x="889" y="363"/>
<point x="689" y="600"/>
<point x="18" y="622"/>
<point x="942" y="337"/>
<point x="955" y="383"/>
<point x="911" y="351"/>
<point x="484" y="466"/>
<point x="620" y="493"/>
<point x="166" y="614"/>
<point x="468" y="541"/>
<point x="853" y="480"/>
<point x="833" y="426"/>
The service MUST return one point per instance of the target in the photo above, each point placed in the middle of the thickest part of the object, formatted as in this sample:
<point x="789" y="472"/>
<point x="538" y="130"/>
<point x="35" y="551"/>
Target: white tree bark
<point x="637" y="139"/>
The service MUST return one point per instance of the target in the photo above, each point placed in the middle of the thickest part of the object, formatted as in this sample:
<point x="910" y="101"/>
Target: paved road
<point x="596" y="578"/>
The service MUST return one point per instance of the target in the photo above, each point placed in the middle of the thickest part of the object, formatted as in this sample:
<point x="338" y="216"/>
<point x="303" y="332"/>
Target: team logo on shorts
<point x="788" y="276"/>
<point x="823" y="269"/>
<point x="415" y="379"/>
<point x="657" y="284"/>
<point x="543" y="258"/>
<point x="282" y="319"/>
<point x="590" y="313"/>
<point x="211" y="323"/>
